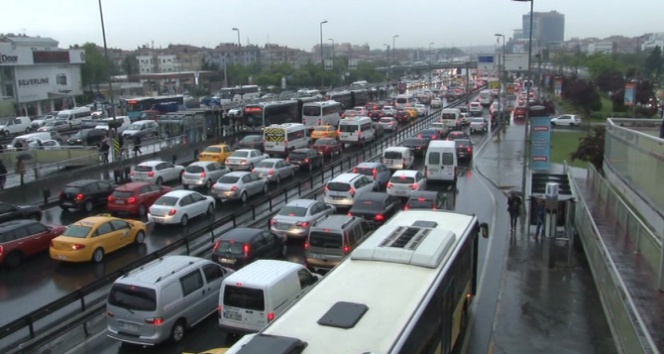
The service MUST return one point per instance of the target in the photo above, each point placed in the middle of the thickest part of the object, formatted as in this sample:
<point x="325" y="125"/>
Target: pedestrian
<point x="137" y="146"/>
<point x="3" y="175"/>
<point x="20" y="169"/>
<point x="513" y="208"/>
<point x="540" y="213"/>
<point x="104" y="148"/>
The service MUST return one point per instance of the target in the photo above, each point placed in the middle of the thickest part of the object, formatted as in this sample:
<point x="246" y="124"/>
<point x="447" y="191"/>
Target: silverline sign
<point x="8" y="58"/>
<point x="31" y="82"/>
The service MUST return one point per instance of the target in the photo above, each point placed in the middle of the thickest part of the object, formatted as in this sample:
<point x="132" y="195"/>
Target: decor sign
<point x="540" y="143"/>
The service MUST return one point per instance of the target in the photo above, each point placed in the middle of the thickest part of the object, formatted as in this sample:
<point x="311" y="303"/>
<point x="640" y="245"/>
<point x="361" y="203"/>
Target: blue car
<point x="376" y="171"/>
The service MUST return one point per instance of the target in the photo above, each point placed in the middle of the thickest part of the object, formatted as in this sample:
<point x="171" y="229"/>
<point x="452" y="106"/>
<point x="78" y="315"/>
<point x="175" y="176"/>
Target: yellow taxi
<point x="91" y="238"/>
<point x="412" y="111"/>
<point x="217" y="153"/>
<point x="324" y="131"/>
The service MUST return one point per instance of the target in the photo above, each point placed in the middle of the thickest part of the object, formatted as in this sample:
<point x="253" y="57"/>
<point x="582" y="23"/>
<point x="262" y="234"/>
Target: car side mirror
<point x="484" y="230"/>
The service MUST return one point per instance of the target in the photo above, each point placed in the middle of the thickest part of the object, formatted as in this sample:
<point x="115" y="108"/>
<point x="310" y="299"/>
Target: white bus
<point x="321" y="113"/>
<point x="284" y="138"/>
<point x="407" y="289"/>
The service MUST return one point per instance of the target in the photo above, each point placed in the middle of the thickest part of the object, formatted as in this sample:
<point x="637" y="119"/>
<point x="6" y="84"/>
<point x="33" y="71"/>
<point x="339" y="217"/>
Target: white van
<point x="75" y="116"/>
<point x="260" y="292"/>
<point x="356" y="130"/>
<point x="160" y="300"/>
<point x="125" y="123"/>
<point x="284" y="138"/>
<point x="440" y="162"/>
<point x="451" y="117"/>
<point x="33" y="139"/>
<point x="16" y="125"/>
<point x="403" y="101"/>
<point x="398" y="158"/>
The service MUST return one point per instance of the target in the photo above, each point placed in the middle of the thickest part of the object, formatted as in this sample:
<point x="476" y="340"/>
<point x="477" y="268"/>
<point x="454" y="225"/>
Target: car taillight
<point x="157" y="321"/>
<point x="111" y="198"/>
<point x="407" y="207"/>
<point x="374" y="172"/>
<point x="203" y="175"/>
<point x="172" y="212"/>
<point x="77" y="246"/>
<point x="110" y="314"/>
<point x="271" y="172"/>
<point x="234" y="188"/>
<point x="346" y="249"/>
<point x="327" y="189"/>
<point x="50" y="244"/>
<point x="216" y="245"/>
<point x="306" y="245"/>
<point x="273" y="222"/>
<point x="350" y="214"/>
<point x="419" y="136"/>
<point x="355" y="170"/>
<point x="246" y="249"/>
<point x="270" y="316"/>
<point x="379" y="217"/>
<point x="390" y="184"/>
<point x="220" y="310"/>
<point x="352" y="192"/>
<point x="470" y="149"/>
<point x="456" y="171"/>
<point x="414" y="186"/>
<point x="131" y="200"/>
<point x="132" y="173"/>
<point x="80" y="196"/>
<point x="306" y="160"/>
<point x="288" y="159"/>
<point x="151" y="174"/>
<point x="2" y="249"/>
<point x="434" y="137"/>
<point x="302" y="224"/>
<point x="62" y="194"/>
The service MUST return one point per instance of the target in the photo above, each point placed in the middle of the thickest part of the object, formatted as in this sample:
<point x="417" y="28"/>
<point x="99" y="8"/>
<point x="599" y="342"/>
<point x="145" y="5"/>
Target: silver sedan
<point x="203" y="174"/>
<point x="274" y="169"/>
<point x="239" y="186"/>
<point x="296" y="217"/>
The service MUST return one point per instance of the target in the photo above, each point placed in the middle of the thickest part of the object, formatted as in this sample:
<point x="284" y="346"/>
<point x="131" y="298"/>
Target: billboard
<point x="36" y="83"/>
<point x="630" y="94"/>
<point x="485" y="63"/>
<point x="540" y="143"/>
<point x="516" y="62"/>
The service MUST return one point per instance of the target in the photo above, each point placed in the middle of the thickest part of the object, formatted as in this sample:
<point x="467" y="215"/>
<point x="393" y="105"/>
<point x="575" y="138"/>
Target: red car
<point x="22" y="238"/>
<point x="135" y="198"/>
<point x="328" y="146"/>
<point x="520" y="113"/>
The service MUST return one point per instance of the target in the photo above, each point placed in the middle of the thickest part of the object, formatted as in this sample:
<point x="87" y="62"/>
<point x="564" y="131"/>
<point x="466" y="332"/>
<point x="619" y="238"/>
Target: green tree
<point x="583" y="94"/>
<point x="591" y="148"/>
<point x="130" y="65"/>
<point x="598" y="64"/>
<point x="95" y="70"/>
<point x="654" y="64"/>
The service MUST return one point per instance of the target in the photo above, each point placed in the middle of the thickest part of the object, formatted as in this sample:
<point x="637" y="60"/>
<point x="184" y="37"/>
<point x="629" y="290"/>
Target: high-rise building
<point x="548" y="28"/>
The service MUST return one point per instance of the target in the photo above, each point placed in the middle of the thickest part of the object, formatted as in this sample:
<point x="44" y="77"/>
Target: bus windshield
<point x="311" y="111"/>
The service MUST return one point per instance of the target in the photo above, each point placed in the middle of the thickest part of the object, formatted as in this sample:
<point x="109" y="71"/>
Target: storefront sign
<point x="32" y="82"/>
<point x="8" y="59"/>
<point x="630" y="94"/>
<point x="540" y="148"/>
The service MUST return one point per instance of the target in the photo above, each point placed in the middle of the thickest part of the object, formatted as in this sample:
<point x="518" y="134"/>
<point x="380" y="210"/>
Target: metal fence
<point x="629" y="330"/>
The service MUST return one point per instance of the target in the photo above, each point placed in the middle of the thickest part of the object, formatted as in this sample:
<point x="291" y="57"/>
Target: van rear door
<point x="394" y="159"/>
<point x="243" y="307"/>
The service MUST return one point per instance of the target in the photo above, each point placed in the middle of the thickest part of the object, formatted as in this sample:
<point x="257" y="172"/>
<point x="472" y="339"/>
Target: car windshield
<point x="134" y="127"/>
<point x="78" y="231"/>
<point x="372" y="205"/>
<point x="387" y="108"/>
<point x="265" y="164"/>
<point x="324" y="240"/>
<point x="293" y="211"/>
<point x="229" y="247"/>
<point x="212" y="149"/>
<point x="244" y="298"/>
<point x="251" y="138"/>
<point x="402" y="179"/>
<point x="392" y="155"/>
<point x="167" y="201"/>
<point x="386" y="120"/>
<point x="321" y="129"/>
<point x="52" y="123"/>
<point x="240" y="154"/>
<point x="324" y="142"/>
<point x="420" y="203"/>
<point x="228" y="180"/>
<point x="338" y="187"/>
<point x="122" y="194"/>
<point x="414" y="142"/>
<point x="80" y="134"/>
<point x="133" y="297"/>
<point x="143" y="168"/>
<point x="478" y="120"/>
<point x="297" y="156"/>
<point x="195" y="169"/>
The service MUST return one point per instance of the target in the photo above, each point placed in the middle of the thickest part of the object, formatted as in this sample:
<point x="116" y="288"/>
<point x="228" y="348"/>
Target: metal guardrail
<point x="26" y="333"/>
<point x="629" y="330"/>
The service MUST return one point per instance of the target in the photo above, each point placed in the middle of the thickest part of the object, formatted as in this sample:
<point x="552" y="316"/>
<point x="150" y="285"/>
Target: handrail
<point x="615" y="276"/>
<point x="29" y="319"/>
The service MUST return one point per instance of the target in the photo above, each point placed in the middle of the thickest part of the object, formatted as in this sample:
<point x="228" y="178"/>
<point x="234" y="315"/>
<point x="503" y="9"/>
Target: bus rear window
<point x="311" y="111"/>
<point x="348" y="128"/>
<point x="449" y="116"/>
<point x="244" y="297"/>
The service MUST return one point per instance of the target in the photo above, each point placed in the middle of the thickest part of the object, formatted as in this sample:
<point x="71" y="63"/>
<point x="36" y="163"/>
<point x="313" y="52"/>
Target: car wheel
<point x="88" y="206"/>
<point x="208" y="184"/>
<point x="210" y="210"/>
<point x="278" y="179"/>
<point x="13" y="259"/>
<point x="265" y="188"/>
<point x="243" y="196"/>
<point x="98" y="255"/>
<point x="142" y="210"/>
<point x="140" y="237"/>
<point x="159" y="181"/>
<point x="177" y="333"/>
<point x="27" y="130"/>
<point x="251" y="167"/>
<point x="184" y="220"/>
<point x="292" y="173"/>
<point x="284" y="251"/>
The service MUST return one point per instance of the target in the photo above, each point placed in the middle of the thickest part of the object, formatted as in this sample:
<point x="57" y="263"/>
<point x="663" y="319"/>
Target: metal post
<point x="430" y="71"/>
<point x="526" y="128"/>
<point x="110" y="86"/>
<point x="334" y="54"/>
<point x="394" y="48"/>
<point x="322" y="58"/>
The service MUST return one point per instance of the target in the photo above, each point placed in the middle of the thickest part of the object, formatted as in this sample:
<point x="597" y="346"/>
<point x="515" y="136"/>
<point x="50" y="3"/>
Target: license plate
<point x="158" y="219"/>
<point x="129" y="327"/>
<point x="62" y="257"/>
<point x="119" y="202"/>
<point x="315" y="255"/>
<point x="399" y="192"/>
<point x="226" y="261"/>
<point x="233" y="316"/>
<point x="338" y="197"/>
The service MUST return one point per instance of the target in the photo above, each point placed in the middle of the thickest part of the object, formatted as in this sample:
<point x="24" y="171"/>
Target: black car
<point x="402" y="116"/>
<point x="306" y="159"/>
<point x="376" y="114"/>
<point x="250" y="142"/>
<point x="88" y="137"/>
<point x="456" y="135"/>
<point x="425" y="200"/>
<point x="10" y="212"/>
<point x="417" y="145"/>
<point x="85" y="194"/>
<point x="242" y="246"/>
<point x="464" y="148"/>
<point x="430" y="134"/>
<point x="375" y="207"/>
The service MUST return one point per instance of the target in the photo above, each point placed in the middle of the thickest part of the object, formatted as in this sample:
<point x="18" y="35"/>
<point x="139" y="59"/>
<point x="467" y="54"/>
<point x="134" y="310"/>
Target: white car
<point x="295" y="218"/>
<point x="345" y="188"/>
<point x="50" y="144"/>
<point x="203" y="174"/>
<point x="274" y="169"/>
<point x="464" y="118"/>
<point x="569" y="120"/>
<point x="178" y="207"/>
<point x="245" y="159"/>
<point x="389" y="111"/>
<point x="422" y="110"/>
<point x="404" y="182"/>
<point x="436" y="103"/>
<point x="478" y="125"/>
<point x="475" y="109"/>
<point x="239" y="185"/>
<point x="157" y="172"/>
<point x="389" y="123"/>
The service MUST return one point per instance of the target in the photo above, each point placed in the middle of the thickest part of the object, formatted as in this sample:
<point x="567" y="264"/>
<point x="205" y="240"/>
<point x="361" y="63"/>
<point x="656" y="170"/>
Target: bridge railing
<point x="629" y="330"/>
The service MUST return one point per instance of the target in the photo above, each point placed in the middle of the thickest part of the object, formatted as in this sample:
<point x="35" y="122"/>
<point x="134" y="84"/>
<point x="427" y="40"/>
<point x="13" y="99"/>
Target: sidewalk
<point x="547" y="301"/>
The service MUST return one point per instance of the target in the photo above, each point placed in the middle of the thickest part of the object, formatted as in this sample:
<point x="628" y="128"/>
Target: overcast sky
<point x="462" y="23"/>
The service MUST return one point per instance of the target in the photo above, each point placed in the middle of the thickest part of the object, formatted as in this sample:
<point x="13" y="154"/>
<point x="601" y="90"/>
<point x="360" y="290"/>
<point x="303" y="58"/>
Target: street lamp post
<point x="501" y="68"/>
<point x="334" y="55"/>
<point x="394" y="48"/>
<point x="322" y="59"/>
<point x="526" y="128"/>
<point x="110" y="86"/>
<point x="430" y="71"/>
<point x="239" y="45"/>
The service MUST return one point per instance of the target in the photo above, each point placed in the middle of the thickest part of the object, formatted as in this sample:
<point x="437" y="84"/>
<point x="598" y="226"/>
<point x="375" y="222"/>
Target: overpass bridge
<point x="431" y="66"/>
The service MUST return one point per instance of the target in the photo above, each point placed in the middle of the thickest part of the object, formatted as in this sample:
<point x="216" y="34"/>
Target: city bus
<point x="163" y="104"/>
<point x="321" y="113"/>
<point x="407" y="289"/>
<point x="260" y="115"/>
<point x="228" y="94"/>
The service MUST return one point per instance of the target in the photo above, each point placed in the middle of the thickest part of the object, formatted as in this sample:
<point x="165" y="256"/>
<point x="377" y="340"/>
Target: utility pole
<point x="114" y="129"/>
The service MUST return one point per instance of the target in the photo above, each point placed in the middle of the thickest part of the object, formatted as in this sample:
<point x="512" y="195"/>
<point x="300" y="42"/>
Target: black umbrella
<point x="24" y="156"/>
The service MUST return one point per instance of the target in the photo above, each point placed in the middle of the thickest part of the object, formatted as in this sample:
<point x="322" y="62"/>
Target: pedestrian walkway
<point x="638" y="277"/>
<point x="547" y="302"/>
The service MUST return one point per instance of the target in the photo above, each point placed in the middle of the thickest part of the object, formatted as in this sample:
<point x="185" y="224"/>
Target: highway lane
<point x="41" y="280"/>
<point x="470" y="196"/>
